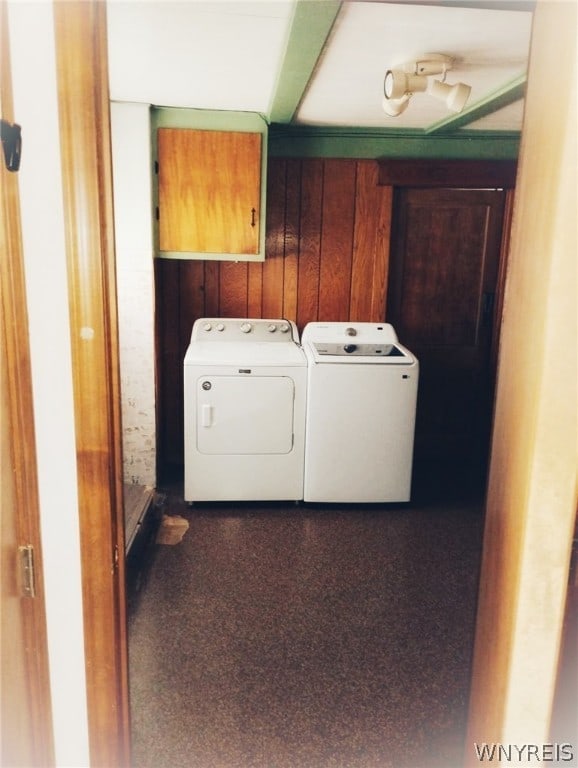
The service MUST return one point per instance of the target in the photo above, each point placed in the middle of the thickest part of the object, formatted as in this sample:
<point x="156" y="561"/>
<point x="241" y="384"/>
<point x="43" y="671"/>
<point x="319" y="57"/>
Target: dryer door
<point x="245" y="414"/>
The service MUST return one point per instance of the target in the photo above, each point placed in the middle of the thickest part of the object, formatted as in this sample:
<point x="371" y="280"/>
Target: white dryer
<point x="244" y="411"/>
<point x="361" y="405"/>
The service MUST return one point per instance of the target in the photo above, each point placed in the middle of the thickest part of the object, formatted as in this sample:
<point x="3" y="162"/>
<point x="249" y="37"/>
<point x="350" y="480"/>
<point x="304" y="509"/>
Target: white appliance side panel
<point x="245" y="415"/>
<point x="360" y="432"/>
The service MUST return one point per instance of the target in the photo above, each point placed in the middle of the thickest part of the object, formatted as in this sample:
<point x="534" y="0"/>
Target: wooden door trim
<point x="82" y="78"/>
<point x="471" y="174"/>
<point x="501" y="282"/>
<point x="14" y="340"/>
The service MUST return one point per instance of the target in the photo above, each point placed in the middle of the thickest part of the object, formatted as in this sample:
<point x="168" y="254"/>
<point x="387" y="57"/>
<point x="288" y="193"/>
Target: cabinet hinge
<point x="156" y="167"/>
<point x="157" y="212"/>
<point x="27" y="576"/>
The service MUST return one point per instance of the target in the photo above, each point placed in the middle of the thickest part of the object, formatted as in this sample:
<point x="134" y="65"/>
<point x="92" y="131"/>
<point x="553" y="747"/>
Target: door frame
<point x="532" y="486"/>
<point x="488" y="704"/>
<point x="84" y="110"/>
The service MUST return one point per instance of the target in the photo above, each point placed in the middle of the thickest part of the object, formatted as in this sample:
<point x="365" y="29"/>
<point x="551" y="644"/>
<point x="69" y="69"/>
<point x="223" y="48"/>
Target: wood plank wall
<point x="327" y="257"/>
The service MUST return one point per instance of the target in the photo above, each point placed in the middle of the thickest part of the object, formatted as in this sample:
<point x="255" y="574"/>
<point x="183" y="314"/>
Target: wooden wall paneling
<point x="337" y="239"/>
<point x="309" y="242"/>
<point x="211" y="288"/>
<point x="255" y="289"/>
<point x="381" y="264"/>
<point x="169" y="344"/>
<point x="191" y="304"/>
<point x="233" y="283"/>
<point x="370" y="255"/>
<point x="272" y="302"/>
<point x="292" y="229"/>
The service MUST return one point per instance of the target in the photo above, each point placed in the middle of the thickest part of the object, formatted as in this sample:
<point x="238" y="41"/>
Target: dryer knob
<point x="284" y="328"/>
<point x="207" y="326"/>
<point x="220" y="327"/>
<point x="350" y="332"/>
<point x="271" y="327"/>
<point x="246" y="327"/>
<point x="349" y="348"/>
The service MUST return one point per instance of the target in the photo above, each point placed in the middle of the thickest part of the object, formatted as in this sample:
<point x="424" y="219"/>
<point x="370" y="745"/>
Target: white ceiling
<point x="221" y="54"/>
<point x="231" y="55"/>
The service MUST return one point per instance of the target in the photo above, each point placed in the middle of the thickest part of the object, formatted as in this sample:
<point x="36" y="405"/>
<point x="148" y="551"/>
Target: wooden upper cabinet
<point x="209" y="192"/>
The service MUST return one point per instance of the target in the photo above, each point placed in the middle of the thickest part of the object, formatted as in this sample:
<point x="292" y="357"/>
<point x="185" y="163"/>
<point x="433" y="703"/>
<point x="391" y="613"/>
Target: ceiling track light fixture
<point x="401" y="83"/>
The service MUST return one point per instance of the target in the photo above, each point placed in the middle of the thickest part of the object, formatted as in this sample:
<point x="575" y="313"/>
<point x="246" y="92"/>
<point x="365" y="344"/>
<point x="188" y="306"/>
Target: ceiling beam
<point x="310" y="27"/>
<point x="508" y="94"/>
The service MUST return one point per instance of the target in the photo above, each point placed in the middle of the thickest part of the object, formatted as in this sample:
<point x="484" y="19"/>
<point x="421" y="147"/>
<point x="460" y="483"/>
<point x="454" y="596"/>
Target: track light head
<point x="454" y="96"/>
<point x="397" y="84"/>
<point x="394" y="107"/>
<point x="401" y="83"/>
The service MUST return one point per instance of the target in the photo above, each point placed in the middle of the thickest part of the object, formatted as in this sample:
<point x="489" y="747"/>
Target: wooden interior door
<point x="444" y="273"/>
<point x="25" y="704"/>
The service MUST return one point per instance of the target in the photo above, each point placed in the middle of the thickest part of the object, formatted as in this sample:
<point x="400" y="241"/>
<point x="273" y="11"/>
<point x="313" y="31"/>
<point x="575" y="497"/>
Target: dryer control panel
<point x="244" y="330"/>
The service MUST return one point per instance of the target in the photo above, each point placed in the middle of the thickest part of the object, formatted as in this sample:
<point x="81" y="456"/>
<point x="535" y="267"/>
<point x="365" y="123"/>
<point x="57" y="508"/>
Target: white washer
<point x="244" y="409"/>
<point x="361" y="404"/>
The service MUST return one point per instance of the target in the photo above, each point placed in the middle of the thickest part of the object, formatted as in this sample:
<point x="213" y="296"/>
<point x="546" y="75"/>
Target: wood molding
<point x="501" y="284"/>
<point x="81" y="55"/>
<point x="472" y="174"/>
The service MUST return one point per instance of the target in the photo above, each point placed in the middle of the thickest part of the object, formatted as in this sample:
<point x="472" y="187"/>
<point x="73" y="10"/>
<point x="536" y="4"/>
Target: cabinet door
<point x="443" y="277"/>
<point x="209" y="191"/>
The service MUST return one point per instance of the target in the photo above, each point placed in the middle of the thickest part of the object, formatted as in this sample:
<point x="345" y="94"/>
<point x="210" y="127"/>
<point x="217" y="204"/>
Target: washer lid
<point x="364" y="354"/>
<point x="354" y="333"/>
<point x="354" y="343"/>
<point x="352" y="349"/>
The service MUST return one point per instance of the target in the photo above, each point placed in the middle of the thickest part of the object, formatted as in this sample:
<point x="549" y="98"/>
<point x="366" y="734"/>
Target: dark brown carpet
<point x="285" y="636"/>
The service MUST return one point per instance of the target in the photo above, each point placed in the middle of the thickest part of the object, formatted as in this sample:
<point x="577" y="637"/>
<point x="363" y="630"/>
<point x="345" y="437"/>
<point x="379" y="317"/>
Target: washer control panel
<point x="364" y="350"/>
<point x="244" y="330"/>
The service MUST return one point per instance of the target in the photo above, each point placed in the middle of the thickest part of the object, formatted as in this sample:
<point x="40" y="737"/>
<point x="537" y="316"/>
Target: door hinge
<point x="27" y="577"/>
<point x="11" y="135"/>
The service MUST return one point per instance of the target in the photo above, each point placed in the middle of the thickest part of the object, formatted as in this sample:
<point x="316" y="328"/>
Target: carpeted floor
<point x="306" y="636"/>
